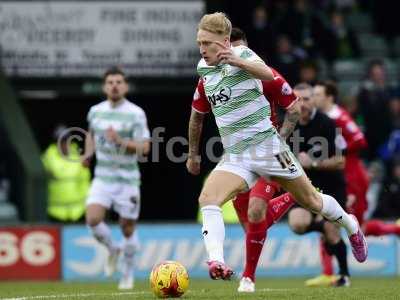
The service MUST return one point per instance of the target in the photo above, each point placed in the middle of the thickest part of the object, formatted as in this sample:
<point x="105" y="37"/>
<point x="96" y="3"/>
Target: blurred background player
<point x="323" y="164"/>
<point x="252" y="206"/>
<point x="356" y="175"/>
<point x="118" y="134"/>
<point x="229" y="74"/>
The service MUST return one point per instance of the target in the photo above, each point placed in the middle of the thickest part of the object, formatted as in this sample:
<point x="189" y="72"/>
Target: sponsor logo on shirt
<point x="220" y="97"/>
<point x="225" y="71"/>
<point x="351" y="127"/>
<point x="286" y="89"/>
<point x="196" y="95"/>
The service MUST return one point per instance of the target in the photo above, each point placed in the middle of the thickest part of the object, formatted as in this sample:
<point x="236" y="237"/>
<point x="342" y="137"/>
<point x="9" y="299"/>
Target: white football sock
<point x="213" y="232"/>
<point x="102" y="233"/>
<point x="129" y="246"/>
<point x="334" y="212"/>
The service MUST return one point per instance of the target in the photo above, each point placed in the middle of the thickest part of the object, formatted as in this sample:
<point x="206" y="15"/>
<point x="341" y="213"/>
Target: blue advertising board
<point x="284" y="254"/>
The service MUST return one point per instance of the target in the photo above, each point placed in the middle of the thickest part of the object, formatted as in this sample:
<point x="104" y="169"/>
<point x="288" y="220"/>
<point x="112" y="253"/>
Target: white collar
<point x="116" y="104"/>
<point x="334" y="112"/>
<point x="313" y="113"/>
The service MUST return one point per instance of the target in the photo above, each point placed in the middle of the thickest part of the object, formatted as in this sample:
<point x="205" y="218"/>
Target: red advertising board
<point x="30" y="253"/>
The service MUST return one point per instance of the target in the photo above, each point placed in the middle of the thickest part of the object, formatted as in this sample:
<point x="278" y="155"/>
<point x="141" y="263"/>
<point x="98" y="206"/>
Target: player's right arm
<point x="89" y="141"/>
<point x="89" y="149"/>
<point x="292" y="116"/>
<point x="195" y="129"/>
<point x="200" y="106"/>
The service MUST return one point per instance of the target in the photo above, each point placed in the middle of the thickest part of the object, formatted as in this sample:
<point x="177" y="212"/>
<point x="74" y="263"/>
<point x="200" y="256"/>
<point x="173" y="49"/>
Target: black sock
<point x="316" y="226"/>
<point x="339" y="250"/>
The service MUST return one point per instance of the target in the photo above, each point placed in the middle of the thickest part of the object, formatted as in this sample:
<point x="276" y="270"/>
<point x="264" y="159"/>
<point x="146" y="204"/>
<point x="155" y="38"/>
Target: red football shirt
<point x="355" y="172"/>
<point x="355" y="140"/>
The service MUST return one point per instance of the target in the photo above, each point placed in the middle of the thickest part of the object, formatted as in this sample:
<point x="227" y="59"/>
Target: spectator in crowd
<point x="373" y="106"/>
<point x="394" y="108"/>
<point x="68" y="180"/>
<point x="10" y="189"/>
<point x="385" y="15"/>
<point x="278" y="7"/>
<point x="344" y="43"/>
<point x="7" y="209"/>
<point x="344" y="5"/>
<point x="389" y="205"/>
<point x="262" y="35"/>
<point x="287" y="59"/>
<point x="305" y="28"/>
<point x="376" y="174"/>
<point x="4" y="178"/>
<point x="391" y="149"/>
<point x="308" y="73"/>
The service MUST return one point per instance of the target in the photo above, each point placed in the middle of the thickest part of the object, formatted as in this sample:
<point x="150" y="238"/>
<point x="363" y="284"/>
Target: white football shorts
<point x="122" y="197"/>
<point x="272" y="157"/>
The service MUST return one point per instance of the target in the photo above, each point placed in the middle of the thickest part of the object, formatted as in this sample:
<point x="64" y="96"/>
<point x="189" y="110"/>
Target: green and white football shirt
<point x="241" y="111"/>
<point x="114" y="164"/>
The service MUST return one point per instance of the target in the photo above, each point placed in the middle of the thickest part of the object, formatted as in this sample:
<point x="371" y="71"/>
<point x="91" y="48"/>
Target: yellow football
<point x="169" y="279"/>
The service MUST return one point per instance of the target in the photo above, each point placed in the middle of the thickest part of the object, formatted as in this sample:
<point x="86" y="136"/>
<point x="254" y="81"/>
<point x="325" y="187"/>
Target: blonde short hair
<point x="217" y="23"/>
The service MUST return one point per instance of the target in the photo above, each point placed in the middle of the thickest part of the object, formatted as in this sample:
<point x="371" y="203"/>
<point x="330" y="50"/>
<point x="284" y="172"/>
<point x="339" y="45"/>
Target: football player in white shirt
<point x="232" y="82"/>
<point x="118" y="133"/>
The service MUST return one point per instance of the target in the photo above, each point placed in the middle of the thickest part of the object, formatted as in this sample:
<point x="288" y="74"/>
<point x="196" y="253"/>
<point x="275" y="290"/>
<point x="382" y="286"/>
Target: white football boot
<point x="127" y="279"/>
<point x="246" y="285"/>
<point x="111" y="264"/>
<point x="126" y="282"/>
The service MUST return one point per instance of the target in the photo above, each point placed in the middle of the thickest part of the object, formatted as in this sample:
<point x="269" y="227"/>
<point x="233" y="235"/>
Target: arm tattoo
<point x="195" y="129"/>
<point x="291" y="119"/>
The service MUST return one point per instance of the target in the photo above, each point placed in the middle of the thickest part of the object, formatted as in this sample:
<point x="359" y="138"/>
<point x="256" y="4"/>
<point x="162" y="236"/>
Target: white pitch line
<point x="274" y="290"/>
<point x="86" y="295"/>
<point x="82" y="295"/>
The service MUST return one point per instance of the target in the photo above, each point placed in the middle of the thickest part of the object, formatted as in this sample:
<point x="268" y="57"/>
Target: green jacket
<point x="228" y="213"/>
<point x="68" y="185"/>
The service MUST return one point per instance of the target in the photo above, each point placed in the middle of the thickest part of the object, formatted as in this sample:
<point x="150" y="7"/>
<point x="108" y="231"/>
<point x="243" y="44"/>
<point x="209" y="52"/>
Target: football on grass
<point x="169" y="279"/>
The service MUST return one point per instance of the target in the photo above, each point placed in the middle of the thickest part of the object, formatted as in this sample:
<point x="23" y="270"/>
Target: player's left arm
<point x="250" y="62"/>
<point x="141" y="136"/>
<point x="282" y="93"/>
<point x="292" y="116"/>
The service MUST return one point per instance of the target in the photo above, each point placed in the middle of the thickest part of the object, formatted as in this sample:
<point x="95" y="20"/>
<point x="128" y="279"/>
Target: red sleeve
<point x="352" y="134"/>
<point x="200" y="103"/>
<point x="279" y="90"/>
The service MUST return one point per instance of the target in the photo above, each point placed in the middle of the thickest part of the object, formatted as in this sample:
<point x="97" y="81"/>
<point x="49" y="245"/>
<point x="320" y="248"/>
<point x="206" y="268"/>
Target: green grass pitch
<point x="362" y="288"/>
